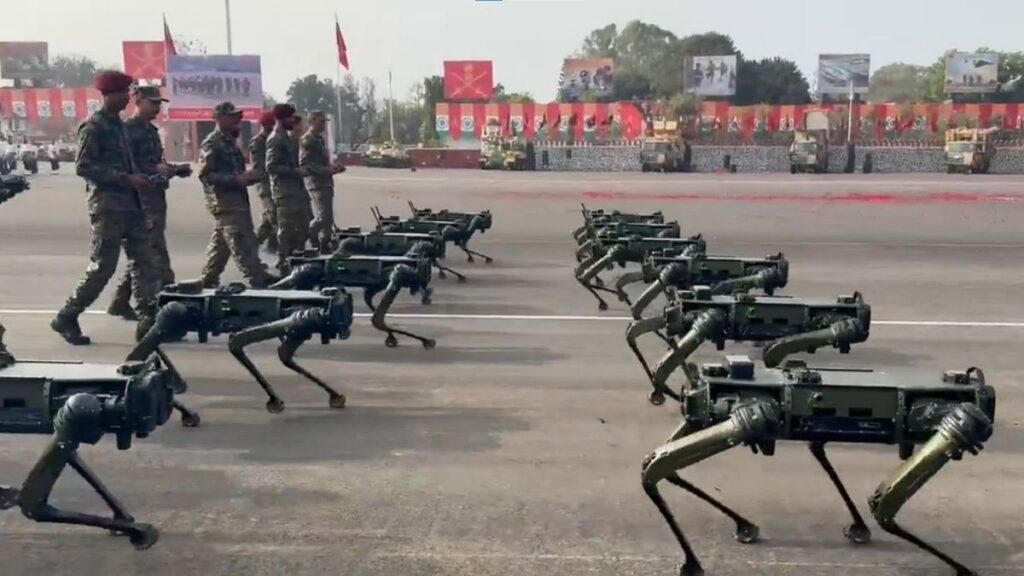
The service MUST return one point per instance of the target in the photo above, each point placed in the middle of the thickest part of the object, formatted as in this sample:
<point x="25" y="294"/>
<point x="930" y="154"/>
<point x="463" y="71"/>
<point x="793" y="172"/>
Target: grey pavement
<point x="515" y="446"/>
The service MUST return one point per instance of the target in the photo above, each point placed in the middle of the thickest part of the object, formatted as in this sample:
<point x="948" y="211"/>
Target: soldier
<point x="113" y="186"/>
<point x="267" y="231"/>
<point x="286" y="185"/>
<point x="314" y="158"/>
<point x="225" y="179"/>
<point x="295" y="133"/>
<point x="148" y="152"/>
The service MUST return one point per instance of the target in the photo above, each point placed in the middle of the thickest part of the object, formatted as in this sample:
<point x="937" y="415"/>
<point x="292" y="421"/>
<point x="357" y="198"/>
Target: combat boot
<point x="66" y="324"/>
<point x="121" y="306"/>
<point x="145" y="323"/>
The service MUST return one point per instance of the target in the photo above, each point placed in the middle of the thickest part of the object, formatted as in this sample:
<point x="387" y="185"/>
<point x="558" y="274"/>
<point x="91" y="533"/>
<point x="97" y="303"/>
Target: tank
<point x="387" y="155"/>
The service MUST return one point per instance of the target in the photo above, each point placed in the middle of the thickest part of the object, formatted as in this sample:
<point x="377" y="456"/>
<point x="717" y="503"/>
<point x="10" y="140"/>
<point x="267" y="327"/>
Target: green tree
<point x="311" y="93"/>
<point x="770" y="81"/>
<point x="502" y="96"/>
<point x="899" y="83"/>
<point x="71" y="71"/>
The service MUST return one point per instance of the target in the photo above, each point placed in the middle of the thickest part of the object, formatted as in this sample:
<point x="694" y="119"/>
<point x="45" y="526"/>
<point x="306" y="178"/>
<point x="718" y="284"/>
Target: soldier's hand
<point x="337" y="168"/>
<point x="140" y="182"/>
<point x="183" y="170"/>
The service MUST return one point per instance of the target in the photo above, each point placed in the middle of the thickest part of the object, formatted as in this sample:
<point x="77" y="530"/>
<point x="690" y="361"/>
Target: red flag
<point x="342" y="49"/>
<point x="168" y="41"/>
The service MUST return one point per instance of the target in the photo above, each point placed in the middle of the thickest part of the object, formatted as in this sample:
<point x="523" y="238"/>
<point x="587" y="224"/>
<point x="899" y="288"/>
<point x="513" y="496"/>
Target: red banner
<point x="468" y="80"/>
<point x="145" y="61"/>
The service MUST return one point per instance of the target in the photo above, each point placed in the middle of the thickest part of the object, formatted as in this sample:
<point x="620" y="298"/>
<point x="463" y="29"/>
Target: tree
<point x="70" y="71"/>
<point x="269" y="101"/>
<point x="433" y="92"/>
<point x="500" y="95"/>
<point x="899" y="83"/>
<point x="311" y="93"/>
<point x="770" y="81"/>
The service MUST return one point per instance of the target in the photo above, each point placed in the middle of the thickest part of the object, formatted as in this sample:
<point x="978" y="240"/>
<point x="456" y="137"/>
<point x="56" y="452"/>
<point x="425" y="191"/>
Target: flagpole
<point x="227" y="19"/>
<point x="391" y="107"/>
<point x="337" y="87"/>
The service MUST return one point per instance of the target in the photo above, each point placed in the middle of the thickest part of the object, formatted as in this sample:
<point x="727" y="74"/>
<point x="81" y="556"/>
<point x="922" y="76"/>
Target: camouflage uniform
<point x="289" y="195"/>
<point x="221" y="162"/>
<point x="148" y="152"/>
<point x="105" y="161"/>
<point x="268" y="223"/>
<point x="314" y="158"/>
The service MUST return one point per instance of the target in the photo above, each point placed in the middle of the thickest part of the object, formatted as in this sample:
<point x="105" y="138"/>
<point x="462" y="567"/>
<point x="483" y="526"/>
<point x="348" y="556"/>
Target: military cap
<point x="283" y="111"/>
<point x="148" y="93"/>
<point x="225" y="109"/>
<point x="112" y="81"/>
<point x="267" y="119"/>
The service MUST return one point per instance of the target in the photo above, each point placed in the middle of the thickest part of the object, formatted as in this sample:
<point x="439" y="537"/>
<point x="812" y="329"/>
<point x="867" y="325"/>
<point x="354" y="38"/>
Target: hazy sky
<point x="526" y="39"/>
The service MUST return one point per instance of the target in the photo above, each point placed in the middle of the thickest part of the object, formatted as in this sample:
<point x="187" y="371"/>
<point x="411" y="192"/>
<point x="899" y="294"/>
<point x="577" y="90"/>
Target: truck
<point x="809" y="151"/>
<point x="663" y="150"/>
<point x="969" y="150"/>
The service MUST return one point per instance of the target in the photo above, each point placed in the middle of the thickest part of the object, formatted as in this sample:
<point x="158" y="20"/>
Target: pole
<point x="391" y="107"/>
<point x="849" y="121"/>
<point x="227" y="18"/>
<point x="337" y="89"/>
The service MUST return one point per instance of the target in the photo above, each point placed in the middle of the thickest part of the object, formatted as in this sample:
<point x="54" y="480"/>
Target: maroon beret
<point x="267" y="119"/>
<point x="113" y="81"/>
<point x="283" y="111"/>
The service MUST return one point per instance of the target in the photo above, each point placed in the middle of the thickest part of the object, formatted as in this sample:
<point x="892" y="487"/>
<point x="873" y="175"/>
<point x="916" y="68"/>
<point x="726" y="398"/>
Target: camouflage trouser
<point x="268" y="219"/>
<point x="108" y="231"/>
<point x="233" y="237"/>
<point x="292" y="230"/>
<point x="156" y="221"/>
<point x="321" y="230"/>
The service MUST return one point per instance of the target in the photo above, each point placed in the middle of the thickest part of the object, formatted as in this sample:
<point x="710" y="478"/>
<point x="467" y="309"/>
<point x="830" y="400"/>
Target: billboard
<point x="24" y="60"/>
<point x="710" y="75"/>
<point x="587" y="78"/>
<point x="972" y="72"/>
<point x="145" y="61"/>
<point x="468" y="80"/>
<point x="836" y="71"/>
<point x="198" y="83"/>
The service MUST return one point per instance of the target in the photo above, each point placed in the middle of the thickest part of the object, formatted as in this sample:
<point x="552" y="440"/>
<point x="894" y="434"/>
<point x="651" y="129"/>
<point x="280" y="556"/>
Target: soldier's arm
<point x="88" y="164"/>
<point x="278" y="163"/>
<point x="208" y="172"/>
<point x="258" y="152"/>
<point x="312" y="158"/>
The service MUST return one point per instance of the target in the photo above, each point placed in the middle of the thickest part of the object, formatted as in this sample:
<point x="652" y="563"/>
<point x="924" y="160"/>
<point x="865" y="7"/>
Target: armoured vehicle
<point x="663" y="150"/>
<point x="387" y="155"/>
<point x="787" y="324"/>
<point x="497" y="153"/>
<point x="455" y="227"/>
<point x="809" y="150"/>
<point x="737" y="403"/>
<point x="674" y="269"/>
<point x="11" y="186"/>
<point x="250" y="315"/>
<point x="79" y="403"/>
<point x="969" y="150"/>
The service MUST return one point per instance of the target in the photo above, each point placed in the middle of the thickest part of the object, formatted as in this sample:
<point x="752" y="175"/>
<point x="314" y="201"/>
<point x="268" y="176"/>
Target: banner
<point x="971" y="73"/>
<point x="468" y="80"/>
<point x="710" y="75"/>
<point x="587" y="78"/>
<point x="198" y="83"/>
<point x="24" y="60"/>
<point x="836" y="71"/>
<point x="145" y="61"/>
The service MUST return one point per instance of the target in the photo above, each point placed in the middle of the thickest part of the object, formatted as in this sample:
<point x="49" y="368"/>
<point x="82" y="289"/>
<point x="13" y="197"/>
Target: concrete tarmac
<point x="515" y="446"/>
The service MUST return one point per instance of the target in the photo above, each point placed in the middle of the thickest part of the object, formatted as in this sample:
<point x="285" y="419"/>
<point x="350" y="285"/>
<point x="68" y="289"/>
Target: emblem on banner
<point x="44" y="109"/>
<point x="68" y="109"/>
<point x="516" y="122"/>
<point x="19" y="110"/>
<point x="467" y="124"/>
<point x="92" y="106"/>
<point x="441" y="124"/>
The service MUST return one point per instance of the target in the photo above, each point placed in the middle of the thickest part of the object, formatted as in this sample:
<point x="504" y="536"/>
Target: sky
<point x="526" y="39"/>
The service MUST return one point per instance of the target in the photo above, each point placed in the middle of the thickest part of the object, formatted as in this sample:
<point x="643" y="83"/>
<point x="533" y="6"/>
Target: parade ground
<point x="515" y="446"/>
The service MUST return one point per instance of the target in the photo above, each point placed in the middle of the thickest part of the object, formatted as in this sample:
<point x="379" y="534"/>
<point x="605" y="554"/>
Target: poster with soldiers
<point x="24" y="60"/>
<point x="710" y="75"/>
<point x="970" y="73"/>
<point x="198" y="83"/>
<point x="586" y="79"/>
<point x="837" y="71"/>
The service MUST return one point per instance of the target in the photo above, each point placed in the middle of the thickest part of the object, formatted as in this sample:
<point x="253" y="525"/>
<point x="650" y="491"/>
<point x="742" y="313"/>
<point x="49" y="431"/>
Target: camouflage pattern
<point x="221" y="162"/>
<point x="315" y="159"/>
<point x="293" y="212"/>
<point x="267" y="231"/>
<point x="105" y="161"/>
<point x="148" y="153"/>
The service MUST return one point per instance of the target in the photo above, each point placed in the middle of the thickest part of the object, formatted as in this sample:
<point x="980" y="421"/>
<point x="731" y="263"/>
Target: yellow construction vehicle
<point x="969" y="150"/>
<point x="663" y="149"/>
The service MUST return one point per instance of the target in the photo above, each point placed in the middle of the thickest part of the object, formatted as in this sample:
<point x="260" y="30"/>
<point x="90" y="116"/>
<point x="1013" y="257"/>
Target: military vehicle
<point x="663" y="149"/>
<point x="789" y="324"/>
<point x="11" y="186"/>
<point x="387" y="155"/>
<point x="455" y="227"/>
<point x="809" y="150"/>
<point x="250" y="315"/>
<point x="497" y="153"/>
<point x="736" y="403"/>
<point x="79" y="403"/>
<point x="969" y="150"/>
